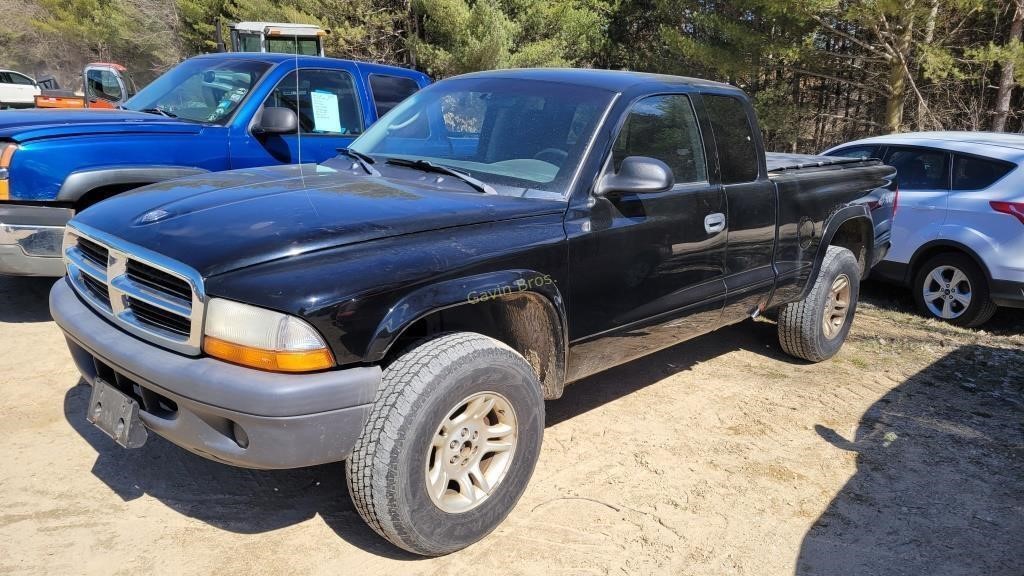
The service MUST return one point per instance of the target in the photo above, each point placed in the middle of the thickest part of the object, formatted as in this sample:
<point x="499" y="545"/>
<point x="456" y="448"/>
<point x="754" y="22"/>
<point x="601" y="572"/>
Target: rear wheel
<point x="816" y="327"/>
<point x="952" y="288"/>
<point x="450" y="444"/>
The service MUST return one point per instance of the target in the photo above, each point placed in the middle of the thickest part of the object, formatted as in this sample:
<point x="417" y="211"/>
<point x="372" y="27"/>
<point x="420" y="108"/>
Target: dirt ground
<point x="903" y="455"/>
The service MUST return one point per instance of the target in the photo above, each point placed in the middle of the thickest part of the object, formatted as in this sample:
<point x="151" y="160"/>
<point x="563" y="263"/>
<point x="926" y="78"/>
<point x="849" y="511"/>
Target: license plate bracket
<point x="116" y="414"/>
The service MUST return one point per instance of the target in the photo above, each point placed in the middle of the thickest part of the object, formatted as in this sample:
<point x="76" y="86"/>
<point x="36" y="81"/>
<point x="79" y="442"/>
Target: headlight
<point x="6" y="153"/>
<point x="263" y="339"/>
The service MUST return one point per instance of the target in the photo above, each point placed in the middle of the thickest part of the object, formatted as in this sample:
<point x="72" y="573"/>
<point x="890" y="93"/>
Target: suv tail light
<point x="1015" y="209"/>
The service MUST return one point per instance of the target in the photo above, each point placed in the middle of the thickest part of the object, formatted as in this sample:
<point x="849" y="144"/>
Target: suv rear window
<point x="734" y="138"/>
<point x="977" y="173"/>
<point x="920" y="168"/>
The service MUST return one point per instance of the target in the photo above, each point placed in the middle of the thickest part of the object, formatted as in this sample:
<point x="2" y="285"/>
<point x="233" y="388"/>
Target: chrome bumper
<point x="30" y="239"/>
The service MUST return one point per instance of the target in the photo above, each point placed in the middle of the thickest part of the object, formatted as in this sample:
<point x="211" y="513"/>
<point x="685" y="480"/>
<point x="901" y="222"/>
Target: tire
<point x="803" y="329"/>
<point x="958" y="288"/>
<point x="396" y="456"/>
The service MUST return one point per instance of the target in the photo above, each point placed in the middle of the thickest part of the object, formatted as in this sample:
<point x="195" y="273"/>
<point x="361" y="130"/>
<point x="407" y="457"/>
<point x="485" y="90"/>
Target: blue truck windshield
<point x="200" y="90"/>
<point x="523" y="137"/>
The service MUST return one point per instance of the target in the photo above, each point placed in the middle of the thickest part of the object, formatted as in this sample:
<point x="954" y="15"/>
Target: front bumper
<point x="227" y="413"/>
<point x="30" y="239"/>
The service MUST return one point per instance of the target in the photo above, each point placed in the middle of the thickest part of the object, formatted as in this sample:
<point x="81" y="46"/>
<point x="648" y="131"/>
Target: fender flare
<point x="78" y="183"/>
<point x="953" y="245"/>
<point x="471" y="290"/>
<point x="835" y="221"/>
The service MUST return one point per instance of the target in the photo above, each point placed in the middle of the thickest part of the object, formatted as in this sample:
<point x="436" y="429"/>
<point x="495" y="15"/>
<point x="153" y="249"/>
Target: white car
<point x="958" y="232"/>
<point x="17" y="90"/>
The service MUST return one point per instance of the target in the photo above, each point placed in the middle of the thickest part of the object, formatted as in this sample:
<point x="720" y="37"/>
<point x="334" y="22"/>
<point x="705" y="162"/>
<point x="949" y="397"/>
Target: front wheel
<point x="450" y="444"/>
<point x="815" y="328"/>
<point x="951" y="287"/>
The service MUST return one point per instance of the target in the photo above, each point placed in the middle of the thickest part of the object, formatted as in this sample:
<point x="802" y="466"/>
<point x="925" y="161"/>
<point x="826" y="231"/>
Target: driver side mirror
<point x="276" y="120"/>
<point x="637" y="175"/>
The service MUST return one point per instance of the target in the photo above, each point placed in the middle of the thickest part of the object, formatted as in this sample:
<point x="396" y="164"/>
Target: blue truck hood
<point x="221" y="222"/>
<point x="25" y="125"/>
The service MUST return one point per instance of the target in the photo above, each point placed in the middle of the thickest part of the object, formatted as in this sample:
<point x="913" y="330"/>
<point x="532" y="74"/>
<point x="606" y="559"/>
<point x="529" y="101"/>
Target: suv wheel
<point x="951" y="287"/>
<point x="816" y="327"/>
<point x="450" y="444"/>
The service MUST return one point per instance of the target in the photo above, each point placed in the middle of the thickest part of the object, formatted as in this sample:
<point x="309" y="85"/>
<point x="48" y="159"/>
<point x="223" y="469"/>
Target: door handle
<point x="714" y="223"/>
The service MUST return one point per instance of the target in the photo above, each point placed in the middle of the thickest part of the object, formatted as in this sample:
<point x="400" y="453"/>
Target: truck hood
<point x="25" y="125"/>
<point x="224" y="221"/>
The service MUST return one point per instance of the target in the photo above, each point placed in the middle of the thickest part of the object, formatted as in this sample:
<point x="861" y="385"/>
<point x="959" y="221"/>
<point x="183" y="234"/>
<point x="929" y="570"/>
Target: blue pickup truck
<point x="210" y="113"/>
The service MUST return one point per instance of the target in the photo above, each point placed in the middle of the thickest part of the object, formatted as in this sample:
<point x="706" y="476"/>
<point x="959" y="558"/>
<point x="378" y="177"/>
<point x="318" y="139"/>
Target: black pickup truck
<point x="409" y="305"/>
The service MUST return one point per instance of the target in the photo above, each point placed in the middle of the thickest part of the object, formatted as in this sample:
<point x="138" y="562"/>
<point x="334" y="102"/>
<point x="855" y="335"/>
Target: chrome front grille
<point x="145" y="293"/>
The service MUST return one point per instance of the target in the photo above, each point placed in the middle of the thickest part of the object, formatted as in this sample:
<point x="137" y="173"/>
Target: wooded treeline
<point x="821" y="71"/>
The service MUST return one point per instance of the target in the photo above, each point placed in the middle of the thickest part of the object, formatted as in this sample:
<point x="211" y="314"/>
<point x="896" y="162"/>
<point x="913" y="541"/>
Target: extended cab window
<point x="734" y="138"/>
<point x="920" y="168"/>
<point x="977" y="173"/>
<point x="389" y="91"/>
<point x="324" y="100"/>
<point x="665" y="128"/>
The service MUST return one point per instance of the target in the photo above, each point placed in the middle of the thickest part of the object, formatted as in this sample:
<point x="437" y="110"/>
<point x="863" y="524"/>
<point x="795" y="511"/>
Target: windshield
<point x="200" y="90"/>
<point x="523" y="137"/>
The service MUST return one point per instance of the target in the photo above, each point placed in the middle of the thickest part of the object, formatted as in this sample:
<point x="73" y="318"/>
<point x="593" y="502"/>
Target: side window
<point x="734" y="137"/>
<point x="103" y="84"/>
<point x="325" y="101"/>
<point x="19" y="79"/>
<point x="856" y="152"/>
<point x="920" y="168"/>
<point x="665" y="128"/>
<point x="389" y="91"/>
<point x="977" y="173"/>
<point x="5" y="78"/>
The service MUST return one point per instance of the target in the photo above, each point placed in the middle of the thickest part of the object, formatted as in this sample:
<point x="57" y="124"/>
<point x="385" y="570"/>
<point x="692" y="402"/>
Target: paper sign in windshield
<point x="325" y="112"/>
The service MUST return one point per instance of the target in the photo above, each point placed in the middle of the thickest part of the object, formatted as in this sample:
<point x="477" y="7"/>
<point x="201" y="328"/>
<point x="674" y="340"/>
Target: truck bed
<point x="783" y="162"/>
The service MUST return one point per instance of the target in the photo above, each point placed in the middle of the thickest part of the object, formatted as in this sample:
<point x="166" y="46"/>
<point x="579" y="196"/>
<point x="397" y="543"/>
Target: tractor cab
<point x="301" y="39"/>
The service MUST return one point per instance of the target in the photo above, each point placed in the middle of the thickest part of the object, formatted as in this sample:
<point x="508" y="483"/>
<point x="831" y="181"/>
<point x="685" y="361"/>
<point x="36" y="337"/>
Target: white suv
<point x="958" y="233"/>
<point x="17" y="90"/>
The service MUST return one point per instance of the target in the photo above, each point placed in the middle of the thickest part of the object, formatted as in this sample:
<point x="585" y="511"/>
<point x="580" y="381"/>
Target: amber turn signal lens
<point x="5" y="191"/>
<point x="305" y="361"/>
<point x="6" y="153"/>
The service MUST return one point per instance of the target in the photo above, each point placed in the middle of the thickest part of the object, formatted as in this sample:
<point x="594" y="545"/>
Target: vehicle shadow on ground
<point x="940" y="476"/>
<point x="25" y="299"/>
<point x="256" y="501"/>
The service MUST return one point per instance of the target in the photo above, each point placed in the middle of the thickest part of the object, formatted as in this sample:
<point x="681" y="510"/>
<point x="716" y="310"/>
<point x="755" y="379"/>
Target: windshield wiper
<point x="364" y="160"/>
<point x="159" y="111"/>
<point x="428" y="166"/>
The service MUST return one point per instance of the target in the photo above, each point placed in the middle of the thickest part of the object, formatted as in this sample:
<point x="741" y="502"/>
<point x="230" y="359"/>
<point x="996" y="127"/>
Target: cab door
<point x="330" y="112"/>
<point x="647" y="269"/>
<point x="923" y="175"/>
<point x="750" y="265"/>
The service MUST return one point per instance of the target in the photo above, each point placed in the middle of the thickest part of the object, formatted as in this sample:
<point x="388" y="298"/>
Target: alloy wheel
<point x="471" y="452"/>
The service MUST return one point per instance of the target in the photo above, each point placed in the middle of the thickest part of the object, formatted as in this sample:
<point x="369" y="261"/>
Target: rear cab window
<point x="971" y="173"/>
<point x="737" y="156"/>
<point x="389" y="91"/>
